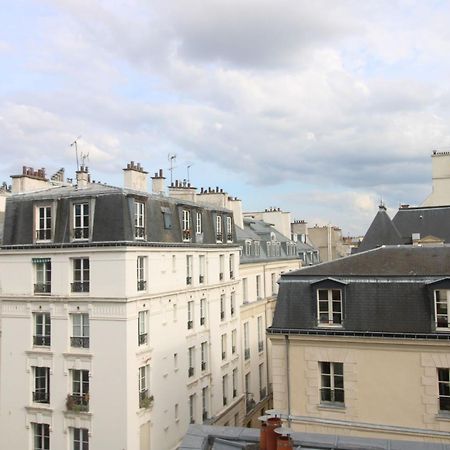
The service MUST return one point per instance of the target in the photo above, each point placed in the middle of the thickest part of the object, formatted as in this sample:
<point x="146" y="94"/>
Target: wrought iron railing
<point x="41" y="340"/>
<point x="80" y="286"/>
<point x="79" y="341"/>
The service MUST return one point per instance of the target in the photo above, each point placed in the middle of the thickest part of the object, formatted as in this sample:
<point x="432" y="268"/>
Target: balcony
<point x="219" y="237"/>
<point x="145" y="400"/>
<point x="43" y="235"/>
<point x="139" y="232"/>
<point x="41" y="396"/>
<point x="190" y="372"/>
<point x="141" y="285"/>
<point x="188" y="280"/>
<point x="249" y="402"/>
<point x="260" y="346"/>
<point x="201" y="279"/>
<point x="41" y="341"/>
<point x="262" y="393"/>
<point x="42" y="288"/>
<point x="79" y="341"/>
<point x="78" y="402"/>
<point x="190" y="324"/>
<point x="202" y="320"/>
<point x="247" y="353"/>
<point x="229" y="237"/>
<point x="142" y="338"/>
<point x="81" y="233"/>
<point x="203" y="365"/>
<point x="187" y="235"/>
<point x="80" y="286"/>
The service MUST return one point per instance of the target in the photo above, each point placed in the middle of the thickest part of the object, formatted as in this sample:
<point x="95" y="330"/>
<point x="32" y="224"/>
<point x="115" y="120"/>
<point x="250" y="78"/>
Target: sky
<point x="321" y="108"/>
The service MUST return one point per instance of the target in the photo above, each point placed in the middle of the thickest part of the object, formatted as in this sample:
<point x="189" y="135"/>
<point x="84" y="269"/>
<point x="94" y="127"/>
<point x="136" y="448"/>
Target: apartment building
<point x="361" y="345"/>
<point x="125" y="307"/>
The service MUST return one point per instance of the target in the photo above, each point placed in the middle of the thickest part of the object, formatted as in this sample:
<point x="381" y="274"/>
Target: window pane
<point x="336" y="294"/>
<point x="323" y="294"/>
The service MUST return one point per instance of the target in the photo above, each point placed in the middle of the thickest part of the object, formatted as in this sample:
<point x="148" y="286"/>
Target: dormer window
<point x="186" y="225"/>
<point x="248" y="248"/>
<point x="198" y="227"/>
<point x="81" y="221"/>
<point x="219" y="236"/>
<point x="329" y="307"/>
<point x="229" y="229"/>
<point x="441" y="308"/>
<point x="43" y="223"/>
<point x="139" y="220"/>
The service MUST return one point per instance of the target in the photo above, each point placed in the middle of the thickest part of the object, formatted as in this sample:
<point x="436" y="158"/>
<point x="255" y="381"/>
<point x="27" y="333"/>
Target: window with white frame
<point x="79" y="399"/>
<point x="231" y="263"/>
<point x="273" y="278"/>
<point x="202" y="311"/>
<point x="219" y="236"/>
<point x="441" y="308"/>
<point x="225" y="389"/>
<point x="257" y="245"/>
<point x="42" y="329"/>
<point x="41" y="436"/>
<point x="81" y="221"/>
<point x="43" y="275"/>
<point x="329" y="306"/>
<point x="192" y="405"/>
<point x="245" y="290"/>
<point x="258" y="286"/>
<point x="246" y="341"/>
<point x="139" y="220"/>
<point x="80" y="438"/>
<point x="43" y="223"/>
<point x="81" y="275"/>
<point x="80" y="330"/>
<point x="248" y="248"/>
<point x="144" y="396"/>
<point x="260" y="334"/>
<point x="190" y="314"/>
<point x="198" y="222"/>
<point x="140" y="273"/>
<point x="221" y="266"/>
<point x="233" y="303"/>
<point x="142" y="327"/>
<point x="189" y="268"/>
<point x="186" y="225"/>
<point x="444" y="389"/>
<point x="224" y="346"/>
<point x="233" y="341"/>
<point x="331" y="382"/>
<point x="201" y="269"/>
<point x="235" y="382"/>
<point x="41" y="392"/>
<point x="229" y="229"/>
<point x="204" y="355"/>
<point x="205" y="402"/>
<point x="222" y="307"/>
<point x="191" y="358"/>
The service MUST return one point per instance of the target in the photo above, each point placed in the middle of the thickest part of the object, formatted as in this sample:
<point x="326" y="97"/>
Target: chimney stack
<point x="158" y="182"/>
<point x="135" y="177"/>
<point x="83" y="178"/>
<point x="29" y="180"/>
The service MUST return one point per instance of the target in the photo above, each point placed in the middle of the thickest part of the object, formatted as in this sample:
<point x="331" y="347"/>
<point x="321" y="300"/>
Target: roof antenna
<point x="187" y="168"/>
<point x="75" y="143"/>
<point x="171" y="158"/>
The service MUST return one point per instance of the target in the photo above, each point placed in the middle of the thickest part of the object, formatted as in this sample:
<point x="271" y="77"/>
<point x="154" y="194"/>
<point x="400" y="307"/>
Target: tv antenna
<point x="75" y="144"/>
<point x="187" y="168"/>
<point x="171" y="159"/>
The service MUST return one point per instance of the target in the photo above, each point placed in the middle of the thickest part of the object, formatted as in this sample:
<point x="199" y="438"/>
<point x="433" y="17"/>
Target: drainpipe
<point x="286" y="340"/>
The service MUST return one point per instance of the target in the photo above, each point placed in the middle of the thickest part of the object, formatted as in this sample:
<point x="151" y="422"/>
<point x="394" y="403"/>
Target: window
<point x="221" y="266"/>
<point x="142" y="327"/>
<point x="167" y="217"/>
<point x="441" y="307"/>
<point x="202" y="311"/>
<point x="41" y="436"/>
<point x="219" y="236"/>
<point x="80" y="275"/>
<point x="189" y="269"/>
<point x="258" y="286"/>
<point x="42" y="329"/>
<point x="80" y="326"/>
<point x="81" y="221"/>
<point x="175" y="361"/>
<point x="444" y="389"/>
<point x="176" y="413"/>
<point x="204" y="355"/>
<point x="257" y="245"/>
<point x="144" y="397"/>
<point x="233" y="341"/>
<point x="231" y="267"/>
<point x="229" y="230"/>
<point x="80" y="439"/>
<point x="79" y="399"/>
<point x="225" y="389"/>
<point x="329" y="306"/>
<point x="186" y="225"/>
<point x="331" y="382"/>
<point x="260" y="334"/>
<point x="222" y="307"/>
<point x="140" y="269"/>
<point x="201" y="269"/>
<point x="41" y="393"/>
<point x="191" y="355"/>
<point x="235" y="381"/>
<point x="43" y="271"/>
<point x="246" y="341"/>
<point x="44" y="223"/>
<point x="232" y="303"/>
<point x="190" y="312"/>
<point x="273" y="277"/>
<point x="248" y="248"/>
<point x="198" y="227"/>
<point x="139" y="220"/>
<point x="224" y="346"/>
<point x="205" y="401"/>
<point x="192" y="399"/>
<point x="262" y="384"/>
<point x="245" y="290"/>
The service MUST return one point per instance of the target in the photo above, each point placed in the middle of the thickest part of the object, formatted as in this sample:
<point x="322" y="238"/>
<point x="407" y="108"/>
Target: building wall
<point x="391" y="388"/>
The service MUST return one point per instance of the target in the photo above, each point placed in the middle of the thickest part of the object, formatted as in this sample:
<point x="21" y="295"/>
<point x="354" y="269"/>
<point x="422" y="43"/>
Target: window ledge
<point x="78" y="352"/>
<point x="325" y="325"/>
<point x="332" y="407"/>
<point x="40" y="350"/>
<point x="39" y="407"/>
<point x="443" y="415"/>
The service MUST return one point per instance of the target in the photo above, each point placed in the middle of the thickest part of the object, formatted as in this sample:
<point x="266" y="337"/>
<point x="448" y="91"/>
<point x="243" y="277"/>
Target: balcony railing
<point x="80" y="286"/>
<point x="249" y="402"/>
<point x="247" y="353"/>
<point x="202" y="320"/>
<point x="141" y="285"/>
<point x="260" y="346"/>
<point x="41" y="397"/>
<point x="205" y="415"/>
<point x="190" y="372"/>
<point x="81" y="233"/>
<point x="142" y="338"/>
<point x="233" y="349"/>
<point x="221" y="276"/>
<point x="201" y="279"/>
<point x="190" y="324"/>
<point x="203" y="365"/>
<point x="41" y="340"/>
<point x="222" y="315"/>
<point x="229" y="237"/>
<point x="145" y="400"/>
<point x="224" y="355"/>
<point x="77" y="402"/>
<point x="234" y="393"/>
<point x="42" y="288"/>
<point x="139" y="232"/>
<point x="43" y="235"/>
<point x="225" y="401"/>
<point x="219" y="237"/>
<point x="262" y="393"/>
<point x="232" y="311"/>
<point x="231" y="275"/>
<point x="188" y="280"/>
<point x="186" y="235"/>
<point x="79" y="341"/>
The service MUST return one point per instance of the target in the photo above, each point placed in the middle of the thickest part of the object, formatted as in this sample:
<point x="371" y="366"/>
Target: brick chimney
<point x="135" y="177"/>
<point x="29" y="180"/>
<point x="158" y="186"/>
<point x="83" y="177"/>
<point x="183" y="190"/>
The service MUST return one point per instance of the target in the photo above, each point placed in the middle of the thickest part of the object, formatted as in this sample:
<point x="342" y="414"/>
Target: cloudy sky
<point x="318" y="107"/>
